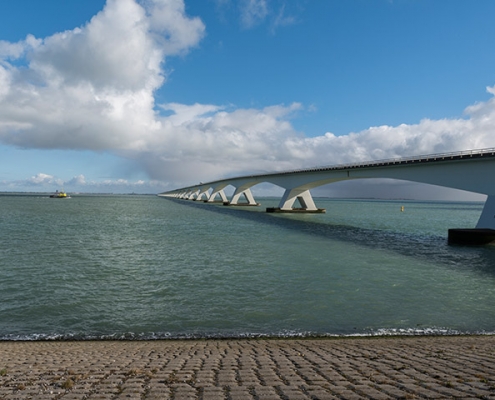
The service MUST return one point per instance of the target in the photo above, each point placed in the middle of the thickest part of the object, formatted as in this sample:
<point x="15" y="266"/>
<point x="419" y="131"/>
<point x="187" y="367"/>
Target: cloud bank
<point x="93" y="88"/>
<point x="44" y="182"/>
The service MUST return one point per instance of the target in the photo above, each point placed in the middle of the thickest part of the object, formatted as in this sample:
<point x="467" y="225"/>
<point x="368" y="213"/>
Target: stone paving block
<point x="250" y="373"/>
<point x="184" y="391"/>
<point x="480" y="386"/>
<point x="421" y="391"/>
<point x="266" y="392"/>
<point x="370" y="392"/>
<point x="99" y="396"/>
<point x="396" y="367"/>
<point x="205" y="377"/>
<point x="163" y="392"/>
<point x="294" y="379"/>
<point x="202" y="384"/>
<point x="227" y="382"/>
<point x="240" y="396"/>
<point x="297" y="396"/>
<point x="349" y="395"/>
<point x="213" y="393"/>
<point x="249" y="383"/>
<point x="74" y="396"/>
<point x="131" y="396"/>
<point x="240" y="389"/>
<point x="182" y="396"/>
<point x="448" y="392"/>
<point x="394" y="391"/>
<point x="268" y="396"/>
<point x="320" y="394"/>
<point x="273" y="381"/>
<point x="293" y="393"/>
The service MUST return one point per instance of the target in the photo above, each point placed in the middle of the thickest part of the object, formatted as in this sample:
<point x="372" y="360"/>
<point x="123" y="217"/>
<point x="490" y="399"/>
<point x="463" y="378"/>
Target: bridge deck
<point x="486" y="153"/>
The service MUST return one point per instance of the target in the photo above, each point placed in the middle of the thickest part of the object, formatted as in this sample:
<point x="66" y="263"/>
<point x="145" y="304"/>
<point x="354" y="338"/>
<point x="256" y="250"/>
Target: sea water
<point x="143" y="267"/>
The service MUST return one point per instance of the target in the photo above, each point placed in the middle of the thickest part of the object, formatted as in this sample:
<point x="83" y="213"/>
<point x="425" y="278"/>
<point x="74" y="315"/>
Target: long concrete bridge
<point x="470" y="170"/>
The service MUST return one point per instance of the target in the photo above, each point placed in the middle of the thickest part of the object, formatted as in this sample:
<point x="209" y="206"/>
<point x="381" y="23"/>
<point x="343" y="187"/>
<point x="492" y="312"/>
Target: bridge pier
<point x="202" y="192"/>
<point x="240" y="191"/>
<point x="288" y="199"/>
<point x="193" y="195"/>
<point x="217" y="191"/>
<point x="487" y="217"/>
<point x="185" y="194"/>
<point x="476" y="236"/>
<point x="484" y="233"/>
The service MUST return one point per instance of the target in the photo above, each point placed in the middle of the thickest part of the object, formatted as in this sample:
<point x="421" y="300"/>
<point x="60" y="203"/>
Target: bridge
<point x="470" y="170"/>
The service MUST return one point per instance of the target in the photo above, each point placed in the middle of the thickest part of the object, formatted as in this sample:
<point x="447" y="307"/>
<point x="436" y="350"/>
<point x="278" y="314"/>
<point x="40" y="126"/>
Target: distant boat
<point x="59" y="195"/>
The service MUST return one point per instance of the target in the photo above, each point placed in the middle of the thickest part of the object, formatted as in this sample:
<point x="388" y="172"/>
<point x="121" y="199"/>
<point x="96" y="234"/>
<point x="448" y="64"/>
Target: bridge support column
<point x="214" y="194"/>
<point x="305" y="200"/>
<point x="192" y="195"/>
<point x="484" y="232"/>
<point x="487" y="217"/>
<point x="201" y="193"/>
<point x="237" y="195"/>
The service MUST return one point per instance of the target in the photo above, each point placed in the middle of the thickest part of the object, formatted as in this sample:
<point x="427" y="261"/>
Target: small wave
<point x="131" y="336"/>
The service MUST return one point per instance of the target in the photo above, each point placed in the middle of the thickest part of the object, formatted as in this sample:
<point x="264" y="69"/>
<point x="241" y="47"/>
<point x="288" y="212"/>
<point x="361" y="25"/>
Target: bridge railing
<point x="391" y="161"/>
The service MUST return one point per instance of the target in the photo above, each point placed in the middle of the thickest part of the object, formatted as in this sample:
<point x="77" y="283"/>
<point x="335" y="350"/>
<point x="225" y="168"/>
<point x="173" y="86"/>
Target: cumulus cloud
<point x="93" y="88"/>
<point x="77" y="180"/>
<point x="43" y="179"/>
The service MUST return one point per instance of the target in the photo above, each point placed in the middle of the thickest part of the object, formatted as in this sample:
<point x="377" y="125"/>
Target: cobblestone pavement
<point x="367" y="368"/>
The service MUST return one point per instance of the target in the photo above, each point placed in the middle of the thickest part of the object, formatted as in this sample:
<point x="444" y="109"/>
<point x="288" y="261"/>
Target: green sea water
<point x="149" y="267"/>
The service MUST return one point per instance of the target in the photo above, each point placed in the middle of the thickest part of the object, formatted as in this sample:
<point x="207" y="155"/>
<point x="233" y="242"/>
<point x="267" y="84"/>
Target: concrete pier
<point x="295" y="210"/>
<point x="476" y="236"/>
<point x="228" y="203"/>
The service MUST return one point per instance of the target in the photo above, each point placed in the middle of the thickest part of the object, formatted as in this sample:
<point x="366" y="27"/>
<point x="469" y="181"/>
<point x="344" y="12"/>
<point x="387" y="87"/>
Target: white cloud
<point x="214" y="141"/>
<point x="42" y="179"/>
<point x="281" y="19"/>
<point x="47" y="183"/>
<point x="92" y="88"/>
<point x="39" y="181"/>
<point x="253" y="12"/>
<point x="175" y="31"/>
<point x="4" y="82"/>
<point x="251" y="140"/>
<point x="11" y="50"/>
<point x="77" y="180"/>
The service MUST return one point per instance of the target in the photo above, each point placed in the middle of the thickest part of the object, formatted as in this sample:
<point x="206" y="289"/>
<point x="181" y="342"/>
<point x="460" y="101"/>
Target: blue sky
<point x="145" y="96"/>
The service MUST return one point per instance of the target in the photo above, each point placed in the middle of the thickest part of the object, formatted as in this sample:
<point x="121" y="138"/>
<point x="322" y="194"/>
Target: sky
<point x="146" y="96"/>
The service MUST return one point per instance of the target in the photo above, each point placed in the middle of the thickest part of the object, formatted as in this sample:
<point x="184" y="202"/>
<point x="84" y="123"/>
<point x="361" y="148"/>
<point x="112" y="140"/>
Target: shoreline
<point x="459" y="366"/>
<point x="138" y="338"/>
